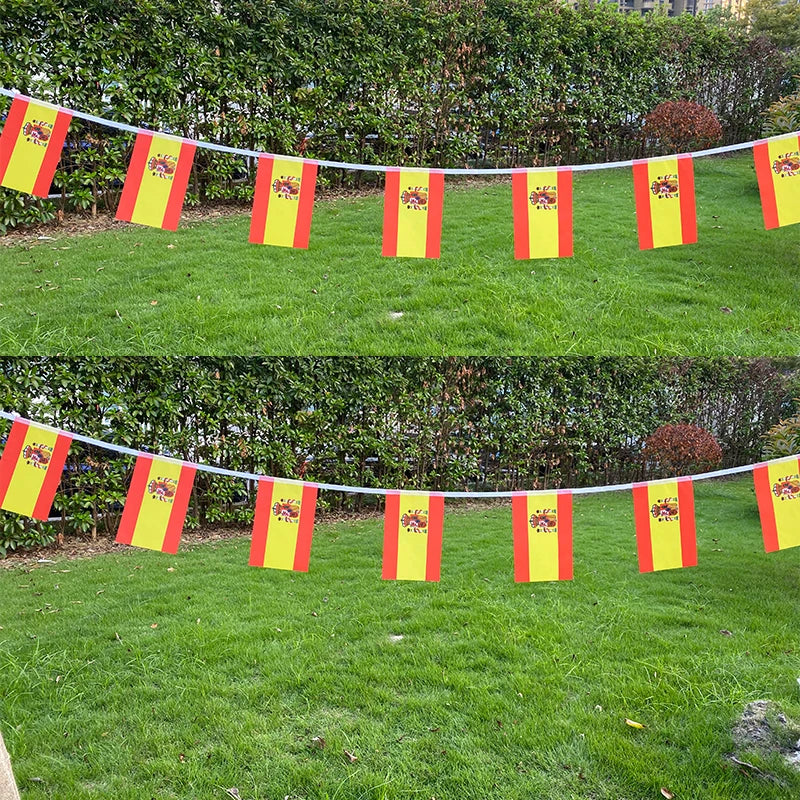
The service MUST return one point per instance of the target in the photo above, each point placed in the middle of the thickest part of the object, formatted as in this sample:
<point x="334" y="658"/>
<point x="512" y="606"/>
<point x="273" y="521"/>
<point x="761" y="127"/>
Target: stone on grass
<point x="8" y="786"/>
<point x="764" y="728"/>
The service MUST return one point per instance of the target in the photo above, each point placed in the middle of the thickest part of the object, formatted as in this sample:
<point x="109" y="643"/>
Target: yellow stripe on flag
<point x="787" y="508"/>
<point x="154" y="513"/>
<point x="542" y="540"/>
<point x="282" y="533"/>
<point x="786" y="186"/>
<point x="282" y="211"/>
<point x="27" y="479"/>
<point x="412" y="223"/>
<point x="542" y="222"/>
<point x="665" y="212"/>
<point x="154" y="190"/>
<point x="27" y="157"/>
<point x="412" y="546"/>
<point x="665" y="535"/>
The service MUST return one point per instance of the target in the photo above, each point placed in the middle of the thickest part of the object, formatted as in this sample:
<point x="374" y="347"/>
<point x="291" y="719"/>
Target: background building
<point x="676" y="7"/>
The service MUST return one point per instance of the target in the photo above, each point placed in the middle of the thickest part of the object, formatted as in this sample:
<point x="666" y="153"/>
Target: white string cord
<point x="370" y="167"/>
<point x="335" y="487"/>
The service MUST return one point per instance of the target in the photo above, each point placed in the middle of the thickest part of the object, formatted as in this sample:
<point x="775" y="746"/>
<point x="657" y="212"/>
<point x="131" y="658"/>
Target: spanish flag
<point x="31" y="144"/>
<point x="778" y="172"/>
<point x="542" y="202"/>
<point x="665" y="208"/>
<point x="283" y="202"/>
<point x="30" y="468"/>
<point x="412" y="536"/>
<point x="542" y="524"/>
<point x="155" y="185"/>
<point x="155" y="508"/>
<point x="412" y="213"/>
<point x="283" y="525"/>
<point x="665" y="531"/>
<point x="778" y="494"/>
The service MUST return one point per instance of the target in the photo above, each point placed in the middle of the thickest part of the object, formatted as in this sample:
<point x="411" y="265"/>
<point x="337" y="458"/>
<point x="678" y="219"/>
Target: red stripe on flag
<point x="258" y="544"/>
<point x="177" y="193"/>
<point x="522" y="248"/>
<point x="179" y="508"/>
<point x="133" y="179"/>
<point x="391" y="208"/>
<point x="766" y="188"/>
<point x="564" y="184"/>
<point x="308" y="185"/>
<point x="687" y="201"/>
<point x="519" y="523"/>
<point x="433" y="561"/>
<point x="641" y="514"/>
<point x="11" y="453"/>
<point x="305" y="527"/>
<point x="433" y="239"/>
<point x="641" y="192"/>
<point x="133" y="502"/>
<point x="258" y="221"/>
<point x="687" y="523"/>
<point x="11" y="131"/>
<point x="564" y="506"/>
<point x="766" y="510"/>
<point x="391" y="531"/>
<point x="52" y="155"/>
<point x="52" y="477"/>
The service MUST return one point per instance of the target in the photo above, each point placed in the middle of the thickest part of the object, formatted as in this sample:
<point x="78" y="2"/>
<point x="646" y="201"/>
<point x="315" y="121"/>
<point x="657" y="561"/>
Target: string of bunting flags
<point x="158" y="173"/>
<point x="32" y="463"/>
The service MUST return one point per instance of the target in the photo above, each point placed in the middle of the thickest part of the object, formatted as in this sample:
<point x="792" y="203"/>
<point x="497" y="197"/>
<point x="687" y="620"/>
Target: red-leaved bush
<point x="681" y="125"/>
<point x="681" y="450"/>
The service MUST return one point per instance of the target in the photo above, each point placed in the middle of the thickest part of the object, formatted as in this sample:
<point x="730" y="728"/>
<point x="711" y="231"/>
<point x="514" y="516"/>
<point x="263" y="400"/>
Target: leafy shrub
<point x="783" y="116"/>
<point x="20" y="209"/>
<point x="681" y="125"/>
<point x="783" y="438"/>
<point x="16" y="531"/>
<point x="681" y="450"/>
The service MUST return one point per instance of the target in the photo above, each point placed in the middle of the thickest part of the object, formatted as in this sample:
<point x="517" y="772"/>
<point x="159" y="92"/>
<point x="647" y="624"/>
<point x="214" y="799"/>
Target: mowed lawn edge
<point x="206" y="290"/>
<point x="140" y="674"/>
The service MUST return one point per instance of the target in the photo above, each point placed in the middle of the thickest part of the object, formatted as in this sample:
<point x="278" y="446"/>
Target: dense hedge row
<point x="449" y="423"/>
<point x="426" y="82"/>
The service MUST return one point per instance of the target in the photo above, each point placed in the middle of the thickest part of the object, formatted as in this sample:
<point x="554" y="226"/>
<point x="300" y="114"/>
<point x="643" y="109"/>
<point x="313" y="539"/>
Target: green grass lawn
<point x="138" y="674"/>
<point x="205" y="290"/>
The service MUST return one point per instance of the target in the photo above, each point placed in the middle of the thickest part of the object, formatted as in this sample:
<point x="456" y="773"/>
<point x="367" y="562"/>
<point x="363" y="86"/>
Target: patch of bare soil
<point x="765" y="730"/>
<point x="73" y="547"/>
<point x="70" y="225"/>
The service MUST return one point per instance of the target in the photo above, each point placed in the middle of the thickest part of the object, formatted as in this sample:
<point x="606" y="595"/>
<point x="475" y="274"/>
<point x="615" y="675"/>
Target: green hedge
<point x="426" y="82"/>
<point x="436" y="423"/>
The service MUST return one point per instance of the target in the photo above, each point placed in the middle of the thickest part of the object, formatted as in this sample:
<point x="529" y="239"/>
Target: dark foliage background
<point x="424" y="82"/>
<point x="433" y="423"/>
